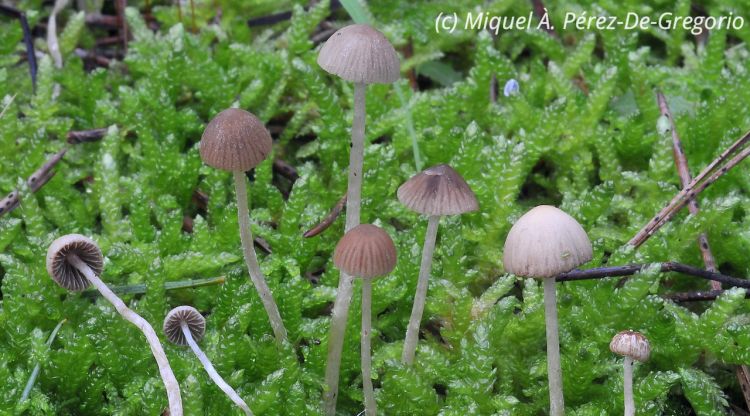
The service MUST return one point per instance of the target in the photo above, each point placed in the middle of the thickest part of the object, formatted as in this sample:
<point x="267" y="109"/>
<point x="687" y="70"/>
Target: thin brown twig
<point x="27" y="38"/>
<point x="540" y="11"/>
<point x="703" y="180"/>
<point x="120" y="6"/>
<point x="85" y="136"/>
<point x="283" y="168"/>
<point x="35" y="182"/>
<point x="683" y="170"/>
<point x="631" y="269"/>
<point x="697" y="296"/>
<point x="328" y="220"/>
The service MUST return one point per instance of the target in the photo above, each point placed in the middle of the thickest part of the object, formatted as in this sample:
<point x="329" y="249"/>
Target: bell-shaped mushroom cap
<point x="235" y="140"/>
<point x="631" y="344"/>
<point x="438" y="190"/>
<point x="64" y="273"/>
<point x="545" y="242"/>
<point x="365" y="251"/>
<point x="359" y="53"/>
<point x="196" y="323"/>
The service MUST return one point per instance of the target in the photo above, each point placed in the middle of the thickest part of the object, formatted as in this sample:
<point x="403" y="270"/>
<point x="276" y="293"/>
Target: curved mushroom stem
<point x="246" y="236"/>
<point x="412" y="331"/>
<point x="554" y="371"/>
<point x="344" y="294"/>
<point x="370" y="406"/>
<point x="628" y="386"/>
<point x="226" y="388"/>
<point x="167" y="376"/>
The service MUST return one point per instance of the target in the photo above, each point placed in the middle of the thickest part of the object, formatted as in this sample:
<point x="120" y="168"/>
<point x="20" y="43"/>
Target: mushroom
<point x="544" y="243"/>
<point x="434" y="192"/>
<point x="366" y="251"/>
<point x="633" y="346"/>
<point x="235" y="140"/>
<point x="184" y="325"/>
<point x="75" y="261"/>
<point x="362" y="55"/>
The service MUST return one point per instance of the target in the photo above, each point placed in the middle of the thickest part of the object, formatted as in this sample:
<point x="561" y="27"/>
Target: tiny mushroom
<point x="544" y="243"/>
<point x="434" y="192"/>
<point x="633" y="346"/>
<point x="184" y="325"/>
<point x="74" y="262"/>
<point x="366" y="251"/>
<point x="235" y="140"/>
<point x="362" y="55"/>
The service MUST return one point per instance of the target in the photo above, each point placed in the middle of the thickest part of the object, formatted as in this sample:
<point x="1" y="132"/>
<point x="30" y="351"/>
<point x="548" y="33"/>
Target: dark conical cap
<point x="359" y="53"/>
<point x="62" y="272"/>
<point x="438" y="190"/>
<point x="365" y="251"/>
<point x="235" y="140"/>
<point x="195" y="321"/>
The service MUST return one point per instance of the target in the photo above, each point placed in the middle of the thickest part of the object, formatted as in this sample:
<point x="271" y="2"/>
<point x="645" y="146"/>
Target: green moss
<point x="581" y="135"/>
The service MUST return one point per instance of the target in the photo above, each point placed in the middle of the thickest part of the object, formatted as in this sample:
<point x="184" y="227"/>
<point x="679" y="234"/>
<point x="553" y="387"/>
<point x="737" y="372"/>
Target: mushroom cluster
<point x="362" y="55"/>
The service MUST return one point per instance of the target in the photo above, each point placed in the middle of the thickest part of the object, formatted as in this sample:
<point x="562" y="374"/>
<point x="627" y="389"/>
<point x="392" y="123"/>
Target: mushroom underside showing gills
<point x="170" y="382"/>
<point x="184" y="325"/>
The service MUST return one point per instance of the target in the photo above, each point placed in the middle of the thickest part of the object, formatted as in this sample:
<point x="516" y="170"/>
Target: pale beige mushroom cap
<point x="545" y="242"/>
<point x="361" y="54"/>
<point x="438" y="190"/>
<point x="62" y="272"/>
<point x="631" y="344"/>
<point x="365" y="251"/>
<point x="235" y="140"/>
<point x="195" y="321"/>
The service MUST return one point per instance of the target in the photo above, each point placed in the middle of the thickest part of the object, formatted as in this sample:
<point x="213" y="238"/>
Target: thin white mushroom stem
<point x="340" y="311"/>
<point x="167" y="376"/>
<point x="370" y="406"/>
<point x="412" y="331"/>
<point x="554" y="371"/>
<point x="627" y="383"/>
<point x="256" y="276"/>
<point x="226" y="388"/>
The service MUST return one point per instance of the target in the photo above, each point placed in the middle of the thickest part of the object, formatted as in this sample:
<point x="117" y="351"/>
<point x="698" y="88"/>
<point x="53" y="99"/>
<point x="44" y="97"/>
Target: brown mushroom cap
<point x="361" y="54"/>
<point x="545" y="242"/>
<point x="365" y="251"/>
<point x="631" y="344"/>
<point x="438" y="190"/>
<point x="62" y="272"/>
<point x="195" y="321"/>
<point x="235" y="140"/>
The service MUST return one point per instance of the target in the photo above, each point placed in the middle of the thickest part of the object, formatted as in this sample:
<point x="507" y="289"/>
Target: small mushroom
<point x="74" y="262"/>
<point x="362" y="55"/>
<point x="184" y="325"/>
<point x="434" y="192"/>
<point x="236" y="141"/>
<point x="366" y="251"/>
<point x="544" y="243"/>
<point x="633" y="346"/>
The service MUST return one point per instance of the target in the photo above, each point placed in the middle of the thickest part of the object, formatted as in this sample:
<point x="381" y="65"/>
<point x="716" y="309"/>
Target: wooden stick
<point x="683" y="170"/>
<point x="631" y="269"/>
<point x="705" y="178"/>
<point x="27" y="39"/>
<point x="35" y="182"/>
<point x="85" y="136"/>
<point x="328" y="220"/>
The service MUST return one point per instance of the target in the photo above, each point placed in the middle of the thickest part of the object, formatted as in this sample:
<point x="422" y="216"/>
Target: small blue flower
<point x="511" y="88"/>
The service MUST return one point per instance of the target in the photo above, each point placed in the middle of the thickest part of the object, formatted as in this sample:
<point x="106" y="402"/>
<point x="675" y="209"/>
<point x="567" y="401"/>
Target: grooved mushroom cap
<point x="359" y="53"/>
<point x="438" y="190"/>
<point x="195" y="321"/>
<point x="365" y="251"/>
<point x="631" y="344"/>
<point x="545" y="242"/>
<point x="235" y="140"/>
<point x="62" y="272"/>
